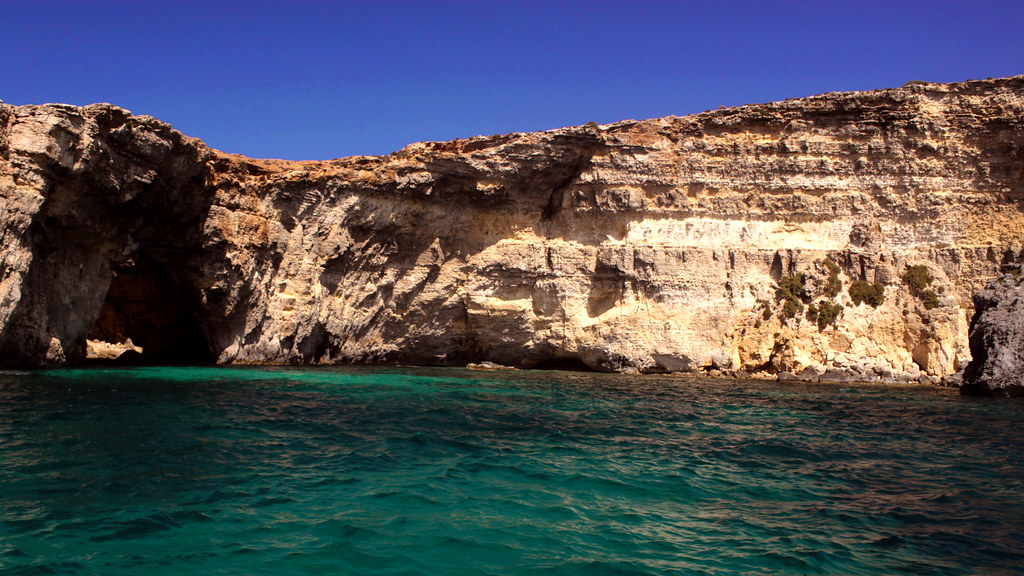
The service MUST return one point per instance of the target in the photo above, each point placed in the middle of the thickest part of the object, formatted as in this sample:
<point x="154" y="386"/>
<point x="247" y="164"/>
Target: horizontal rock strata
<point x="835" y="237"/>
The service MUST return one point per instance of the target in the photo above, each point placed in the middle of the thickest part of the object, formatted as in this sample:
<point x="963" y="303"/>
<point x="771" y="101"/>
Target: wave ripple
<point x="417" y="471"/>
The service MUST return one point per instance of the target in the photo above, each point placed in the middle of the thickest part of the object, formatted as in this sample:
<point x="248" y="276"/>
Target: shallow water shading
<point x="441" y="471"/>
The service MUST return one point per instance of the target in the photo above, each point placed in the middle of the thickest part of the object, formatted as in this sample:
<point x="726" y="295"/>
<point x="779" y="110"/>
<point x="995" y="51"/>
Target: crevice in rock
<point x="563" y="186"/>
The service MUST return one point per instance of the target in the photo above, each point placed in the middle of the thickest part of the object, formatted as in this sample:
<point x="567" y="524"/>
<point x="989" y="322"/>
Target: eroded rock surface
<point x="667" y="245"/>
<point x="82" y="191"/>
<point x="997" y="339"/>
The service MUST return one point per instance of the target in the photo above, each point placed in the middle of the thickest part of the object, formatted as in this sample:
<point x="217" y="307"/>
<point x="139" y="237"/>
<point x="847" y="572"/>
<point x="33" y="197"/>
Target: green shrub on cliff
<point x="871" y="292"/>
<point x="791" y="292"/>
<point x="833" y="285"/>
<point x="792" y="287"/>
<point x="930" y="299"/>
<point x="917" y="278"/>
<point x="828" y="313"/>
<point x="824" y="313"/>
<point x="790" y="309"/>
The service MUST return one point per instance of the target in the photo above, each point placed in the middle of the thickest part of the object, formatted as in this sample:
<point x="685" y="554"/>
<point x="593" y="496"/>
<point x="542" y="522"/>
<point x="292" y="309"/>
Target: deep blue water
<point x="431" y="471"/>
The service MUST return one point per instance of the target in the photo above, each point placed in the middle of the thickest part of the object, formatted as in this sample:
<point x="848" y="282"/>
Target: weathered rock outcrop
<point x="82" y="191"/>
<point x="997" y="339"/>
<point x="772" y="239"/>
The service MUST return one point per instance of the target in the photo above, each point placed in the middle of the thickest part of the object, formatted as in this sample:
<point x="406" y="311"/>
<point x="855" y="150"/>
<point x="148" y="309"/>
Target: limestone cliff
<point x="736" y="240"/>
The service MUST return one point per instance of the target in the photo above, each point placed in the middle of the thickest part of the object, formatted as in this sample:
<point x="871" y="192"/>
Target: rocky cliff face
<point x="997" y="339"/>
<point x="833" y="237"/>
<point x="82" y="192"/>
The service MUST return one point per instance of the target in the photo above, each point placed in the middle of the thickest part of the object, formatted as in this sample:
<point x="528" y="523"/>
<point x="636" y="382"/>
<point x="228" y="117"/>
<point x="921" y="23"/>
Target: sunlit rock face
<point x="668" y="245"/>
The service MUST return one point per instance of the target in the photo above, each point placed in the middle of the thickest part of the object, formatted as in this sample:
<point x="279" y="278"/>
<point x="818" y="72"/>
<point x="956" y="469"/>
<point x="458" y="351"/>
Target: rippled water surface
<point x="427" y="471"/>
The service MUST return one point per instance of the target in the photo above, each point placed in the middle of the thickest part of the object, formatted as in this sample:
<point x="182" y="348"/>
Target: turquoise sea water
<point x="435" y="471"/>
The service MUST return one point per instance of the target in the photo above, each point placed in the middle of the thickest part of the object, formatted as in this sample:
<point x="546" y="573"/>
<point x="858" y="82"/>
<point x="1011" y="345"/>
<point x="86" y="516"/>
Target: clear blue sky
<point x="318" y="80"/>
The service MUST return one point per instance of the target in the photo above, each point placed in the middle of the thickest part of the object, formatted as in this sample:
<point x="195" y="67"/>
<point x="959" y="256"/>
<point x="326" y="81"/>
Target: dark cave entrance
<point x="145" y="305"/>
<point x="561" y="364"/>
